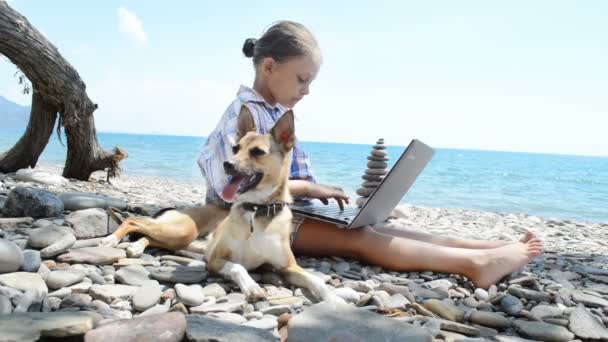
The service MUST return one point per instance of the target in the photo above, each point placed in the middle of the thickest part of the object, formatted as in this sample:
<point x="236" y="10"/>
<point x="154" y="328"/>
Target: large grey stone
<point x="46" y="236"/>
<point x="31" y="260"/>
<point x="90" y="223"/>
<point x="135" y="275"/>
<point x="203" y="329"/>
<point x="169" y="327"/>
<point x="178" y="274"/>
<point x="108" y="293"/>
<point x="324" y="321"/>
<point x="146" y="296"/>
<point x="33" y="325"/>
<point x="36" y="176"/>
<point x="23" y="281"/>
<point x="74" y="201"/>
<point x="93" y="255"/>
<point x="543" y="331"/>
<point x="589" y="300"/>
<point x="584" y="325"/>
<point x="62" y="278"/>
<point x="11" y="256"/>
<point x="30" y="202"/>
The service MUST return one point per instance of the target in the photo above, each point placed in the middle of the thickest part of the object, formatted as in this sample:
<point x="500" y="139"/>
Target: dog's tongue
<point x="231" y="188"/>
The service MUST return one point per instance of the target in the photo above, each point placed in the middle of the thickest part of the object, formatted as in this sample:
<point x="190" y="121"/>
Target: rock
<point x="12" y="222"/>
<point x="219" y="307"/>
<point x="214" y="290"/>
<point x="61" y="293"/>
<point x="169" y="327"/>
<point x="36" y="176"/>
<point x="202" y="329"/>
<point x="31" y="260"/>
<point x="490" y="319"/>
<point x="444" y="310"/>
<point x="481" y="294"/>
<point x="265" y="323"/>
<point x="93" y="255"/>
<point x="74" y="201"/>
<point x="76" y="299"/>
<point x="458" y="328"/>
<point x="373" y="178"/>
<point x="23" y="281"/>
<point x="348" y="294"/>
<point x="91" y="223"/>
<point x="341" y="267"/>
<point x="157" y="309"/>
<point x="44" y="237"/>
<point x="396" y="301"/>
<point x="146" y="296"/>
<point x="322" y="321"/>
<point x="511" y="305"/>
<point x="365" y="192"/>
<point x="377" y="164"/>
<point x="276" y="310"/>
<point x="31" y="326"/>
<point x="378" y="153"/>
<point x="542" y="311"/>
<point x="35" y="203"/>
<point x="589" y="300"/>
<point x="228" y="317"/>
<point x="11" y="256"/>
<point x="108" y="293"/>
<point x="375" y="172"/>
<point x="543" y="331"/>
<point x="135" y="275"/>
<point x="528" y="294"/>
<point x="392" y="289"/>
<point x="59" y="246"/>
<point x="584" y="325"/>
<point x="5" y="305"/>
<point x="190" y="295"/>
<point x="62" y="278"/>
<point x="178" y="274"/>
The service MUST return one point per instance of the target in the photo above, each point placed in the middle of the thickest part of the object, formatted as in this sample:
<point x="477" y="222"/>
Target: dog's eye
<point x="235" y="149"/>
<point x="256" y="152"/>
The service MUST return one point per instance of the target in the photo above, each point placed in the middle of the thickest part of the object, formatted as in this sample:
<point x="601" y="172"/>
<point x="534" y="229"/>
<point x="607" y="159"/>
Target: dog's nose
<point x="229" y="167"/>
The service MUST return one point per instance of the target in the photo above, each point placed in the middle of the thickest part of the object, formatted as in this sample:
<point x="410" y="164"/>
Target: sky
<point x="527" y="76"/>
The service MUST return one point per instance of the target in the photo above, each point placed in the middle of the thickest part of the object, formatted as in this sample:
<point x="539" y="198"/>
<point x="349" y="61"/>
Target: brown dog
<point x="257" y="228"/>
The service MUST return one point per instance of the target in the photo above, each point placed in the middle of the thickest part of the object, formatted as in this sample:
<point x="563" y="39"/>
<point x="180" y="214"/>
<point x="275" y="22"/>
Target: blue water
<point x="551" y="186"/>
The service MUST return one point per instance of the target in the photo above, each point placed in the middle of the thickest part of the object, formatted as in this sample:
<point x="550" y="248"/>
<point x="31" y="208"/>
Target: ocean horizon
<point x="554" y="186"/>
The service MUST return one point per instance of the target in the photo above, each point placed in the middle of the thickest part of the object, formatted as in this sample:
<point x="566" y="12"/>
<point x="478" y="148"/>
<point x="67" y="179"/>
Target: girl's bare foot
<point x="527" y="237"/>
<point x="493" y="264"/>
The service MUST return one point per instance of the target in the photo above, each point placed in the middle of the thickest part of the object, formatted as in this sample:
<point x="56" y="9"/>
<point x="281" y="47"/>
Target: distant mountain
<point x="13" y="115"/>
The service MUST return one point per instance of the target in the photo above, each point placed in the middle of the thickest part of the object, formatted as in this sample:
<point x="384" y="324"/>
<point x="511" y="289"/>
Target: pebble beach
<point x="55" y="277"/>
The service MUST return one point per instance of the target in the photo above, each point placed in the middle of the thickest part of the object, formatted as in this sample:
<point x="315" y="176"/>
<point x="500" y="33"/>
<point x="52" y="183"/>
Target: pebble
<point x="63" y="278"/>
<point x="190" y="295"/>
<point x="543" y="331"/>
<point x="11" y="256"/>
<point x="31" y="260"/>
<point x="511" y="305"/>
<point x="146" y="296"/>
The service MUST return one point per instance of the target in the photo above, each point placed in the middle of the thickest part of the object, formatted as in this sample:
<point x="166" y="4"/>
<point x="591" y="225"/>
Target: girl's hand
<point x="325" y="192"/>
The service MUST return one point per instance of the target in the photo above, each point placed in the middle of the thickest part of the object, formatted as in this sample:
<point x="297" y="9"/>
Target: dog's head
<point x="259" y="167"/>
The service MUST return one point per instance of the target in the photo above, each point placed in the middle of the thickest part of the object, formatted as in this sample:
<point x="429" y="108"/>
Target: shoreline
<point x="557" y="234"/>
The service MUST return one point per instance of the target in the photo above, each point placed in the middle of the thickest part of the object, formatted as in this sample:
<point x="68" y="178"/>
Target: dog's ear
<point x="283" y="131"/>
<point x="245" y="123"/>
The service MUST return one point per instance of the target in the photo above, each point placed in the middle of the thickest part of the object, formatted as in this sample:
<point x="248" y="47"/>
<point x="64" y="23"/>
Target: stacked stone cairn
<point x="375" y="172"/>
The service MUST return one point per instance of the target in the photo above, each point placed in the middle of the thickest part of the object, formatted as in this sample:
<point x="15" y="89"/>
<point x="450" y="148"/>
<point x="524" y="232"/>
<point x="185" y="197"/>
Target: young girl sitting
<point x="287" y="59"/>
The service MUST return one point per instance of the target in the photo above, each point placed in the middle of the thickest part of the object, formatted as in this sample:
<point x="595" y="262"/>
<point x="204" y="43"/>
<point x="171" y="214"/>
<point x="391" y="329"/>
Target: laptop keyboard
<point x="331" y="210"/>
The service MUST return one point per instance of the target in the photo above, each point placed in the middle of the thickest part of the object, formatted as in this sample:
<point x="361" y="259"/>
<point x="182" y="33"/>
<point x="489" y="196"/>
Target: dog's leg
<point x="129" y="225"/>
<point x="238" y="274"/>
<point x="297" y="276"/>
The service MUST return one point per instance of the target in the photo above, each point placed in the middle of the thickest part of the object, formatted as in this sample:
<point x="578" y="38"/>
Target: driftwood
<point x="58" y="93"/>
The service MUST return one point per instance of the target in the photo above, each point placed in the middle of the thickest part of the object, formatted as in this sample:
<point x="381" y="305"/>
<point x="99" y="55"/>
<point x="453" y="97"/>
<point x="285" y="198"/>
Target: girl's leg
<point x="482" y="266"/>
<point x="448" y="241"/>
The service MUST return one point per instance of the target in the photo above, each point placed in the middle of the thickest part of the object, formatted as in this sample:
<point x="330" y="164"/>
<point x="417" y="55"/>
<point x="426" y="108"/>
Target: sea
<point x="548" y="185"/>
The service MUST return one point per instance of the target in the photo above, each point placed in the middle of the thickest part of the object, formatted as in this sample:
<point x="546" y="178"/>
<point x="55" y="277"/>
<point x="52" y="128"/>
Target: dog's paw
<point x="254" y="293"/>
<point x="136" y="249"/>
<point x="109" y="241"/>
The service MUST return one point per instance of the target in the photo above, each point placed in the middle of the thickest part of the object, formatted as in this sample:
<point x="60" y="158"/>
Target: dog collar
<point x="264" y="209"/>
<point x="269" y="210"/>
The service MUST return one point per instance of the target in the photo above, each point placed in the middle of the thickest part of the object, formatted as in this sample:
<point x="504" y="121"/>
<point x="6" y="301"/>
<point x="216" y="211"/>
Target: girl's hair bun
<point x="249" y="46"/>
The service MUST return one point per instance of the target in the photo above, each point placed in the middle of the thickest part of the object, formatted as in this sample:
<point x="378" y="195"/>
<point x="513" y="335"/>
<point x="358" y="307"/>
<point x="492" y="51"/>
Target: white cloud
<point x="131" y="26"/>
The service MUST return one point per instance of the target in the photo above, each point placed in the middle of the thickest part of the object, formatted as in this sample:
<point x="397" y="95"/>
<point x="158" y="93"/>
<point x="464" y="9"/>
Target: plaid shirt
<point x="218" y="147"/>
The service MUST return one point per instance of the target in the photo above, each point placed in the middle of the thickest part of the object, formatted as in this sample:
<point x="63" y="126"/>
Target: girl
<point x="286" y="60"/>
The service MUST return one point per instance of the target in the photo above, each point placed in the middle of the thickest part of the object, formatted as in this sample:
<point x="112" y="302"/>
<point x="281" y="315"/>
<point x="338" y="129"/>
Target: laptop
<point x="382" y="201"/>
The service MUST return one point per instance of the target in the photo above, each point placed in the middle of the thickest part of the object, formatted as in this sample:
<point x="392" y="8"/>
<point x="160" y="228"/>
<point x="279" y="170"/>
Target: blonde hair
<point x="282" y="41"/>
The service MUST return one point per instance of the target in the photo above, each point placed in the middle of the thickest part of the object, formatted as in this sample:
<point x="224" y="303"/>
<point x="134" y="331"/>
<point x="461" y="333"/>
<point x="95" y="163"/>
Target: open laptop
<point x="384" y="198"/>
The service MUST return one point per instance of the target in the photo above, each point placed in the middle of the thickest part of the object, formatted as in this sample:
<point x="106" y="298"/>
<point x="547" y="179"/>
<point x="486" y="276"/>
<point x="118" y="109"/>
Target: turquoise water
<point x="552" y="186"/>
